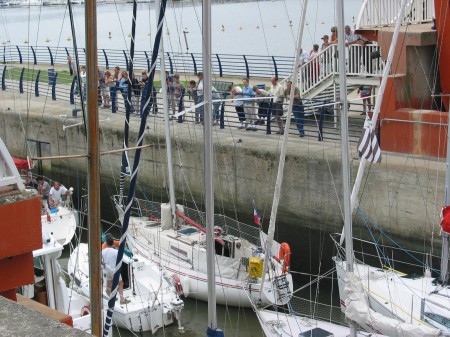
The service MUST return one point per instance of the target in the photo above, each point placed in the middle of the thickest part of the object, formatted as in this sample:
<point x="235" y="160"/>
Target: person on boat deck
<point x="297" y="108"/>
<point x="276" y="90"/>
<point x="123" y="87"/>
<point x="73" y="72"/>
<point x="43" y="188"/>
<point x="247" y="92"/>
<point x="109" y="258"/>
<point x="199" y="90"/>
<point x="56" y="192"/>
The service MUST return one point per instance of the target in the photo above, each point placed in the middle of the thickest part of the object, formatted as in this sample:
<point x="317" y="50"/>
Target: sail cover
<point x="358" y="311"/>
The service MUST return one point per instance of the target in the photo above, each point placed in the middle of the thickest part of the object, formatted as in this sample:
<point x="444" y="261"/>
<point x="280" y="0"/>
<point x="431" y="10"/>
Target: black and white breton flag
<point x="368" y="144"/>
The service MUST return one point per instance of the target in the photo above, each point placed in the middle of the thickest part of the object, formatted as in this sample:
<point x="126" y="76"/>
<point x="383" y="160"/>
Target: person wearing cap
<point x="326" y="58"/>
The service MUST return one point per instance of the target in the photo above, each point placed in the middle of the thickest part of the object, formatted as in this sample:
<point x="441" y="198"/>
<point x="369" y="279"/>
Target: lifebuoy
<point x="86" y="310"/>
<point x="285" y="256"/>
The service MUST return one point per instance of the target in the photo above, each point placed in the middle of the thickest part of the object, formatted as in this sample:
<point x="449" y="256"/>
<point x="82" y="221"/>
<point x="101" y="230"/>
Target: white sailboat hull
<point x="152" y="299"/>
<point x="62" y="224"/>
<point x="186" y="257"/>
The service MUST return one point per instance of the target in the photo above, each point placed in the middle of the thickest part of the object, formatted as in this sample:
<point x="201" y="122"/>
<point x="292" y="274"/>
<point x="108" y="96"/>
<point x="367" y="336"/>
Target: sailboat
<point x="385" y="299"/>
<point x="174" y="236"/>
<point x="154" y="302"/>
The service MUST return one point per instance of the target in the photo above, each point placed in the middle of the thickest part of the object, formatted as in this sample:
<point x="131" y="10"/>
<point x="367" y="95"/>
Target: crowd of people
<point x="251" y="103"/>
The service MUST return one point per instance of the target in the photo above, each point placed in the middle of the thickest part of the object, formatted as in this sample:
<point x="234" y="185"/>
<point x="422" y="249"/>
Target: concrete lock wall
<point x="403" y="194"/>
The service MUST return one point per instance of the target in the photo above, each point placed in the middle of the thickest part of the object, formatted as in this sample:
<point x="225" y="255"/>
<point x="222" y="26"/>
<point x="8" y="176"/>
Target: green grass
<point x="31" y="74"/>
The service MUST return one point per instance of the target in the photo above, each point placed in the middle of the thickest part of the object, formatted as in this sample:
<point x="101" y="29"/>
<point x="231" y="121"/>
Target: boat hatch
<point x="316" y="332"/>
<point x="188" y="231"/>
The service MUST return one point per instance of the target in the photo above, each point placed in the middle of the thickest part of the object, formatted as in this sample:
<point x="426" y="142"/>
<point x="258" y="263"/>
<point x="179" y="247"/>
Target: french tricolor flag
<point x="256" y="217"/>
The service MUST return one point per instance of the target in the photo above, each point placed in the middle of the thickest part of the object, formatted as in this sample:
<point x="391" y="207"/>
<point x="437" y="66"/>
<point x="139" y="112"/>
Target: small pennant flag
<point x="368" y="144"/>
<point x="256" y="217"/>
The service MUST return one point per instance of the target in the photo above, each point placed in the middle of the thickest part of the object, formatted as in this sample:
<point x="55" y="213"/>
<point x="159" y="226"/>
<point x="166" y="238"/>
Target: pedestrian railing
<point x="360" y="61"/>
<point x="320" y="122"/>
<point x="189" y="63"/>
<point x="381" y="13"/>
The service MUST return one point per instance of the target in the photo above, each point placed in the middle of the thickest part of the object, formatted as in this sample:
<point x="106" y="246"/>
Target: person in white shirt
<point x="354" y="55"/>
<point x="109" y="259"/>
<point x="56" y="192"/>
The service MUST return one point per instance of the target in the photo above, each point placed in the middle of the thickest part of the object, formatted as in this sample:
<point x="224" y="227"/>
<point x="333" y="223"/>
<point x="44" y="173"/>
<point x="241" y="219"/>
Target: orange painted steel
<point x="21" y="227"/>
<point x="44" y="310"/>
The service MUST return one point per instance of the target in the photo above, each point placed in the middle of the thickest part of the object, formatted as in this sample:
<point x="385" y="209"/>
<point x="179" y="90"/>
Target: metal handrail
<point x="381" y="13"/>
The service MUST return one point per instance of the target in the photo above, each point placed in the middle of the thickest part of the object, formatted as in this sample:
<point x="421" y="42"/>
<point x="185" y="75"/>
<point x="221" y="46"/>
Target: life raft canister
<point x="285" y="256"/>
<point x="86" y="310"/>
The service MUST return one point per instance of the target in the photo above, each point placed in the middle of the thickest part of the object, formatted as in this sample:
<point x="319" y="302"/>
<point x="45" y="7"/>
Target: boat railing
<point x="408" y="263"/>
<point x="152" y="211"/>
<point x="381" y="13"/>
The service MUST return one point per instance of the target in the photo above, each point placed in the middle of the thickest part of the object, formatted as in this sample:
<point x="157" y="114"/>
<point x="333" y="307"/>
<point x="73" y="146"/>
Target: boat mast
<point x="147" y="102"/>
<point x="209" y="170"/>
<point x="279" y="181"/>
<point x="172" y="200"/>
<point x="344" y="147"/>
<point x="376" y="110"/>
<point x="94" y="218"/>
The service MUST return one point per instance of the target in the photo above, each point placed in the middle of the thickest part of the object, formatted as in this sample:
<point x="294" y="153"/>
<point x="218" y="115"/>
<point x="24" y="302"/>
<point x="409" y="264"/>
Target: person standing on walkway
<point x="263" y="104"/>
<point x="277" y="93"/>
<point x="113" y="89"/>
<point x="248" y="93"/>
<point x="199" y="89"/>
<point x="365" y="92"/>
<point x="297" y="107"/>
<point x="236" y="93"/>
<point x="73" y="72"/>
